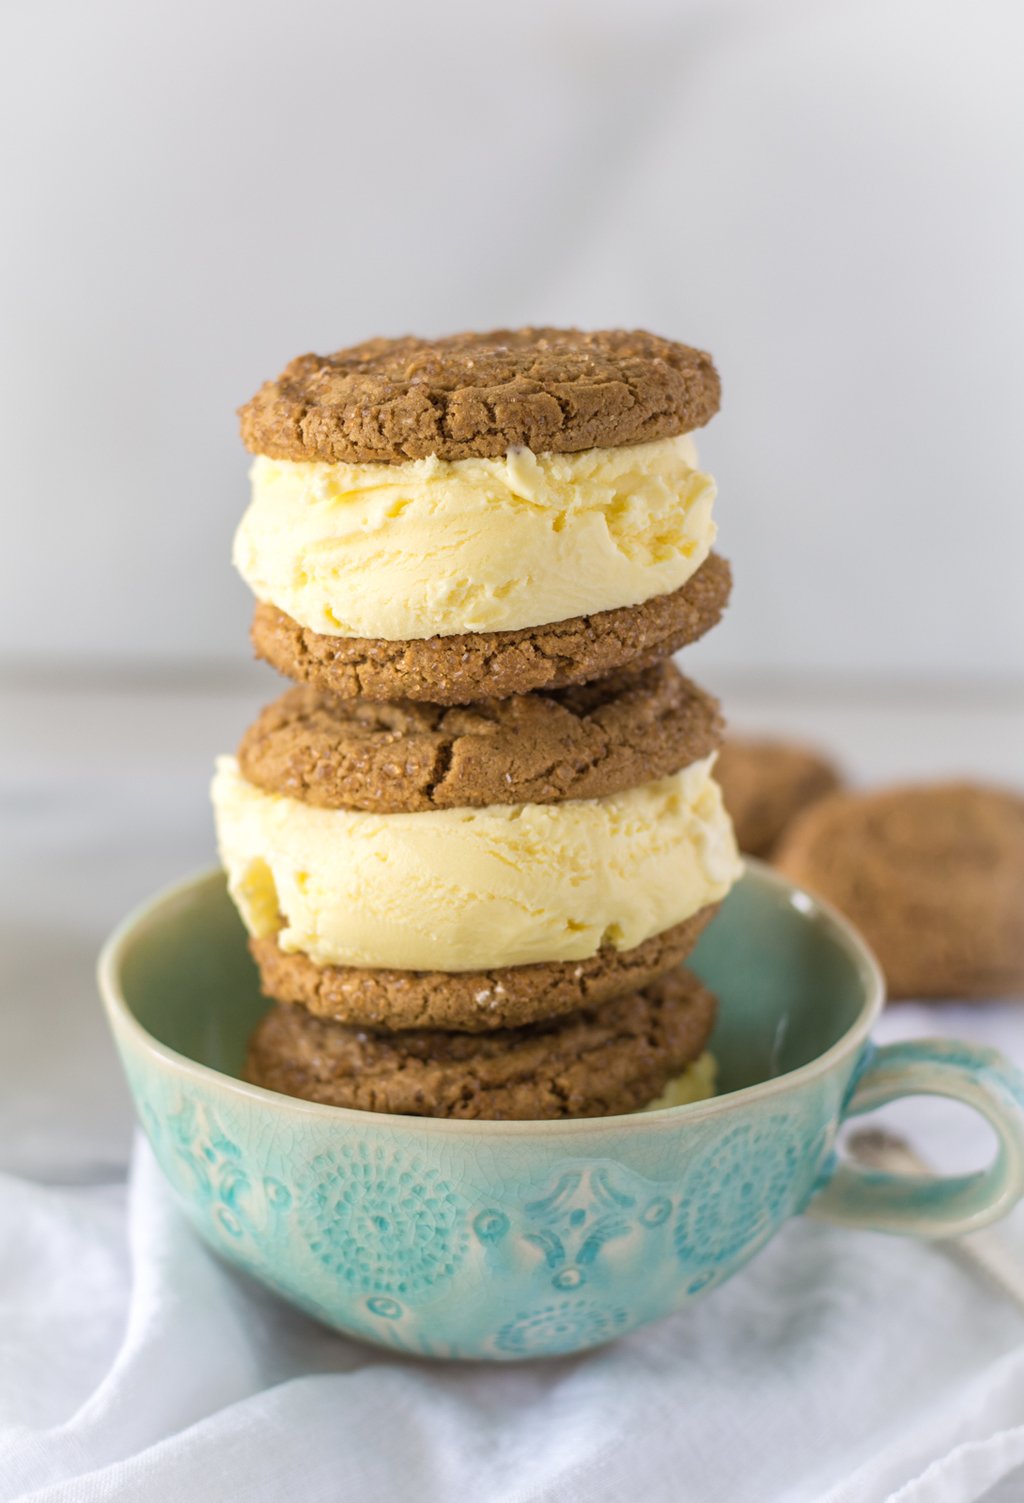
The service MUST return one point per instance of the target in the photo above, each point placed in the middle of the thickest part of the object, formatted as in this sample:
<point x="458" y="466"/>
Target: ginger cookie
<point x="932" y="875"/>
<point x="388" y="401"/>
<point x="471" y="1001"/>
<point x="463" y="668"/>
<point x="580" y="742"/>
<point x="765" y="784"/>
<point x="589" y="1064"/>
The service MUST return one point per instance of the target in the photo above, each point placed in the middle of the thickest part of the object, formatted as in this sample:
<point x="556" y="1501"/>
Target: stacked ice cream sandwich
<point x="475" y="843"/>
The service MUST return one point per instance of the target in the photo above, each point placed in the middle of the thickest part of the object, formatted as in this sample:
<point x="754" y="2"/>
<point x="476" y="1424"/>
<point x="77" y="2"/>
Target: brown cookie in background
<point x="766" y="783"/>
<point x="589" y="1064"/>
<point x="932" y="876"/>
<point x="471" y="1001"/>
<point x="581" y="742"/>
<point x="473" y="666"/>
<point x="388" y="401"/>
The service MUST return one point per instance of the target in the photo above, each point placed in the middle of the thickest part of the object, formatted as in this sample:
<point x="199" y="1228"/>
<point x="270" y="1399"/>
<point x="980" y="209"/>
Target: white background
<point x="826" y="195"/>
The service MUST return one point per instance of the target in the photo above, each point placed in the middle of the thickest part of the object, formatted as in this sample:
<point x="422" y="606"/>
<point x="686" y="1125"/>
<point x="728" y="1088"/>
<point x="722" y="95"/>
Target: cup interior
<point x="792" y="980"/>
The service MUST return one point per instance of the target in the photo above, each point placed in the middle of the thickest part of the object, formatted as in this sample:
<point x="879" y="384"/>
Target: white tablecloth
<point x="840" y="1367"/>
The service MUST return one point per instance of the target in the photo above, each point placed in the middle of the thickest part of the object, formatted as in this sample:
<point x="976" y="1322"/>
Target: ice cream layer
<point x="438" y="547"/>
<point x="473" y="889"/>
<point x="697" y="1083"/>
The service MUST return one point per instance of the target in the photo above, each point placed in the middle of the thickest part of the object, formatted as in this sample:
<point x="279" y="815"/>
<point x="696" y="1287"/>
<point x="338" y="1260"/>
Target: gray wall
<point x="827" y="195"/>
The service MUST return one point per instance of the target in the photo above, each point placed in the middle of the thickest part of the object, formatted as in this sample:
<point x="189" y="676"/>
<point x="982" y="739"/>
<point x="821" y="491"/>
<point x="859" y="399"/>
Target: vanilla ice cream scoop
<point x="438" y="547"/>
<point x="474" y="889"/>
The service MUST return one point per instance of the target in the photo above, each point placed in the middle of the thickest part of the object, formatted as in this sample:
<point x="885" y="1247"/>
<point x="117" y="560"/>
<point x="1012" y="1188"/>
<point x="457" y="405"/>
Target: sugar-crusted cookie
<point x="550" y="390"/>
<point x="589" y="1064"/>
<point x="460" y="669"/>
<point x="579" y="742"/>
<point x="933" y="876"/>
<point x="471" y="1001"/>
<point x="766" y="783"/>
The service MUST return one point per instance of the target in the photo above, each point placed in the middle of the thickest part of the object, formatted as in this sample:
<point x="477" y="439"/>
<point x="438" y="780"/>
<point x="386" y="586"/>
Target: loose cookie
<point x="471" y="1001"/>
<point x="403" y="757"/>
<point x="765" y="785"/>
<point x="932" y="876"/>
<point x="550" y="390"/>
<point x="461" y="669"/>
<point x="589" y="1064"/>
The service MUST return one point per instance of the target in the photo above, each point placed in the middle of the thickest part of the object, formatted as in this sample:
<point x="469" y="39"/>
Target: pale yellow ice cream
<point x="439" y="547"/>
<point x="472" y="889"/>
<point x="697" y="1083"/>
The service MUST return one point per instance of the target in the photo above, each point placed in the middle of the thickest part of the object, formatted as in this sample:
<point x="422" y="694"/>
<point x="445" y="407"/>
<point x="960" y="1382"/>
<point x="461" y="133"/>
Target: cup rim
<point x="841" y="931"/>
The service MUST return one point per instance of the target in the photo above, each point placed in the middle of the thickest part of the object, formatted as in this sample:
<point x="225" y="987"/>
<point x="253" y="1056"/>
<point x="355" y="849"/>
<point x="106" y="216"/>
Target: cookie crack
<point x="440" y="770"/>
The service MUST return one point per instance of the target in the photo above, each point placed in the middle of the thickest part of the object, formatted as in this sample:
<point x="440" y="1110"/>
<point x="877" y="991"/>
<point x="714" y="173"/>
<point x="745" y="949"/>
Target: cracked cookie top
<point x="580" y="742"/>
<point x="388" y="401"/>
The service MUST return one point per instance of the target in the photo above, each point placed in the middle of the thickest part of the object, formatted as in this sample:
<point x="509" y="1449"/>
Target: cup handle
<point x="924" y="1205"/>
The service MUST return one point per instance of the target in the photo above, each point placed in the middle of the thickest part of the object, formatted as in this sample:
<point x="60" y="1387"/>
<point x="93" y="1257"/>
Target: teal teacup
<point x="505" y="1240"/>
